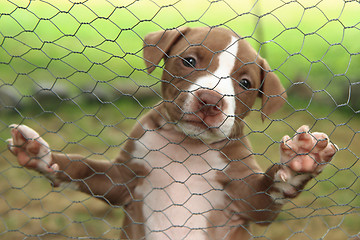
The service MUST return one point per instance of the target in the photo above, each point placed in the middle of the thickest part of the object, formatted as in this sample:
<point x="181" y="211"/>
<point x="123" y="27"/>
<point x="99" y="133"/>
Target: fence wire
<point x="74" y="72"/>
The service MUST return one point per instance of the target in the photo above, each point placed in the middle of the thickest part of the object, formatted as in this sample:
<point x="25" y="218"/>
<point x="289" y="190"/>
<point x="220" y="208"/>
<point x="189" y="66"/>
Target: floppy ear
<point x="271" y="91"/>
<point x="158" y="44"/>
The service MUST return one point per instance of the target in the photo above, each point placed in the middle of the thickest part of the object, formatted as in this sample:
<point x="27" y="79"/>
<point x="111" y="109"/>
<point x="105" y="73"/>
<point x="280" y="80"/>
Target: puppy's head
<point x="210" y="80"/>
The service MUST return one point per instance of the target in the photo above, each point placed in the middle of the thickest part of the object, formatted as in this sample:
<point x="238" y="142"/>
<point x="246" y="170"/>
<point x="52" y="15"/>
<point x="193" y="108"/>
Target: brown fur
<point x="242" y="177"/>
<point x="245" y="186"/>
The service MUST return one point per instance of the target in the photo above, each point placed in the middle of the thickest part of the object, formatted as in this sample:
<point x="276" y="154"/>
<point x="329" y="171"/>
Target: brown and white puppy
<point x="187" y="170"/>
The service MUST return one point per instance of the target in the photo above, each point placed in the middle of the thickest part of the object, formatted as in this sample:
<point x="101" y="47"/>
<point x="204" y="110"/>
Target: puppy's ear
<point x="272" y="92"/>
<point x="158" y="44"/>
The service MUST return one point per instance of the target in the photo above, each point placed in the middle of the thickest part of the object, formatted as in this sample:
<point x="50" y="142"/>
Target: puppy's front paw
<point x="31" y="150"/>
<point x="306" y="152"/>
<point x="304" y="156"/>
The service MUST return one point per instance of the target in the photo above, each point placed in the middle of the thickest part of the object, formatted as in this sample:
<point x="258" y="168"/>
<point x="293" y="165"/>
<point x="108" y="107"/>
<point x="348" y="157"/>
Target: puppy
<point x="187" y="170"/>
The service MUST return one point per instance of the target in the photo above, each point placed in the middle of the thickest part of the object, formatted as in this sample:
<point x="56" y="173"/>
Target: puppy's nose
<point x="210" y="102"/>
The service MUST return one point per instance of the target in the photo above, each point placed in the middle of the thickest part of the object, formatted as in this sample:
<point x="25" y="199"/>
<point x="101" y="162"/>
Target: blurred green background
<point x="73" y="70"/>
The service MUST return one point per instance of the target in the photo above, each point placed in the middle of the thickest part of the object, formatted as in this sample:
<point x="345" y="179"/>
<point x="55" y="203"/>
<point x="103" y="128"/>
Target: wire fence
<point x="74" y="72"/>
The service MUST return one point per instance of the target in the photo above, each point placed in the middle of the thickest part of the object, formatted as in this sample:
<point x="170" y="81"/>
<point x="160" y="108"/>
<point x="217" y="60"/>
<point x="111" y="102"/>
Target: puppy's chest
<point x="177" y="160"/>
<point x="181" y="187"/>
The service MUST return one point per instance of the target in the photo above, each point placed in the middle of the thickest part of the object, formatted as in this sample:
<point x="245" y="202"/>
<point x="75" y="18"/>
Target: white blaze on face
<point x="219" y="81"/>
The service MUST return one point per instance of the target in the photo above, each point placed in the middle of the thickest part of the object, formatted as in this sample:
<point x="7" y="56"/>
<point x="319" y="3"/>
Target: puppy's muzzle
<point x="210" y="103"/>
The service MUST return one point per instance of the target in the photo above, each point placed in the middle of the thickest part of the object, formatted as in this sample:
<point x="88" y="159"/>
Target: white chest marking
<point x="221" y="82"/>
<point x="181" y="188"/>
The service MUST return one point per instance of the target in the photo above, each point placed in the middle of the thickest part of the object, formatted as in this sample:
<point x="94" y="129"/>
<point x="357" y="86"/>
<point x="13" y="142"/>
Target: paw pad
<point x="31" y="150"/>
<point x="306" y="152"/>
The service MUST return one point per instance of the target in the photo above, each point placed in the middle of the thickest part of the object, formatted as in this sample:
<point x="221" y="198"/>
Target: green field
<point x="71" y="70"/>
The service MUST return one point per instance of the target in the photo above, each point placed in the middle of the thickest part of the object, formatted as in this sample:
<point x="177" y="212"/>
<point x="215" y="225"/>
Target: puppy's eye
<point x="189" y="62"/>
<point x="245" y="84"/>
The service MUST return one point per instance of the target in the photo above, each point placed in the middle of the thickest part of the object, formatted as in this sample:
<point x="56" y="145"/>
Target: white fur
<point x="70" y="185"/>
<point x="292" y="181"/>
<point x="221" y="82"/>
<point x="278" y="197"/>
<point x="180" y="189"/>
<point x="44" y="151"/>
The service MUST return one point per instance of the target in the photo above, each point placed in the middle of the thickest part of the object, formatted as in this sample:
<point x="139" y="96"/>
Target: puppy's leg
<point x="302" y="157"/>
<point x="103" y="179"/>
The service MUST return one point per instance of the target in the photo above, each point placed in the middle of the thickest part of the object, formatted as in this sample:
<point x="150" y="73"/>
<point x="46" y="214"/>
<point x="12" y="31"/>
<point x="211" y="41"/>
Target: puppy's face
<point x="210" y="81"/>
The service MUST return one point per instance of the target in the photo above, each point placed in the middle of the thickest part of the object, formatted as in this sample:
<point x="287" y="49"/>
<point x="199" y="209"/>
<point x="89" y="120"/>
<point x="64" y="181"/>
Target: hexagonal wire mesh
<point x="74" y="71"/>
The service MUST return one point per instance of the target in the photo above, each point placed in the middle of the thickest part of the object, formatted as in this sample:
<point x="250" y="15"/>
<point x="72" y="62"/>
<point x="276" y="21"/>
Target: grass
<point x="56" y="58"/>
<point x="48" y="44"/>
<point x="27" y="200"/>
